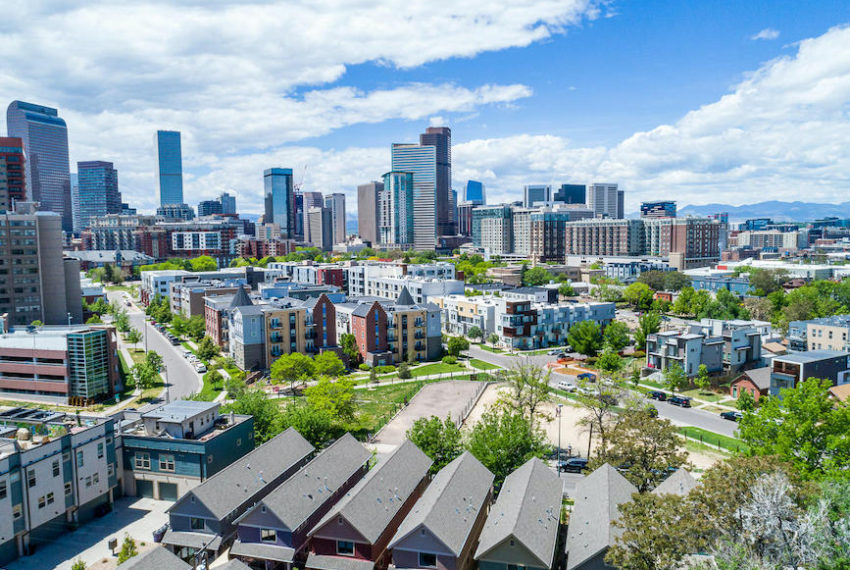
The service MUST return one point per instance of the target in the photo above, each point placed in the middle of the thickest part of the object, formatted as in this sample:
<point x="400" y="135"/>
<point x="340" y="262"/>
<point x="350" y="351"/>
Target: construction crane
<point x="297" y="187"/>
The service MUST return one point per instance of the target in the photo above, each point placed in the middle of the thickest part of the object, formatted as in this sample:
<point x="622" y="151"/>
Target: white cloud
<point x="766" y="34"/>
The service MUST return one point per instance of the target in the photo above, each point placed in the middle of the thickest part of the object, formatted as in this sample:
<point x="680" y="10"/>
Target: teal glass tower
<point x="169" y="167"/>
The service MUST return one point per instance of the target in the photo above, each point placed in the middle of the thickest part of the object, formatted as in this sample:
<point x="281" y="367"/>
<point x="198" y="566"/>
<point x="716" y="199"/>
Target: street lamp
<point x="559" y="439"/>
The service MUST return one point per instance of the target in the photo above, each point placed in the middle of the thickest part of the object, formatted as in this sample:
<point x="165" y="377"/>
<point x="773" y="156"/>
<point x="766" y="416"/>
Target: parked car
<point x="680" y="401"/>
<point x="573" y="465"/>
<point x="555" y="352"/>
<point x="200" y="368"/>
<point x="587" y="376"/>
<point x="566" y="386"/>
<point x="657" y="395"/>
<point x="732" y="416"/>
<point x="174" y="340"/>
<point x="188" y="354"/>
<point x="160" y="532"/>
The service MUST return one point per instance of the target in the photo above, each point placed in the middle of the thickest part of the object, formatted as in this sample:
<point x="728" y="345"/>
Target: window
<point x="108" y="440"/>
<point x="209" y="458"/>
<point x="80" y="461"/>
<point x="66" y="456"/>
<point x="427" y="560"/>
<point x="95" y="478"/>
<point x="166" y="463"/>
<point x="31" y="478"/>
<point x="68" y="489"/>
<point x="16" y="512"/>
<point x="56" y="468"/>
<point x="110" y="470"/>
<point x="196" y="523"/>
<point x="41" y="502"/>
<point x="49" y="498"/>
<point x="100" y="450"/>
<point x="345" y="548"/>
<point x="88" y="481"/>
<point x="2" y="489"/>
<point x="268" y="535"/>
<point x="143" y="461"/>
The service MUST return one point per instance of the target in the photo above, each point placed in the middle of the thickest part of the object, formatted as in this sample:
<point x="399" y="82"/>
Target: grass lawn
<point x="210" y="391"/>
<point x="490" y="349"/>
<point x="481" y="365"/>
<point x="653" y="384"/>
<point x="436" y="368"/>
<point x="377" y="406"/>
<point x="704" y="395"/>
<point x="713" y="439"/>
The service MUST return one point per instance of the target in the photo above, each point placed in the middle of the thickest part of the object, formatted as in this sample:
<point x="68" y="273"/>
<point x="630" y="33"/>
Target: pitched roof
<point x="528" y="510"/>
<point x="597" y="500"/>
<point x="158" y="558"/>
<point x="679" y="483"/>
<point x="241" y="480"/>
<point x="840" y="392"/>
<point x="404" y="297"/>
<point x="372" y="504"/>
<point x="240" y="299"/>
<point x="234" y="564"/>
<point x="758" y="376"/>
<point x="324" y="562"/>
<point x="299" y="496"/>
<point x="450" y="505"/>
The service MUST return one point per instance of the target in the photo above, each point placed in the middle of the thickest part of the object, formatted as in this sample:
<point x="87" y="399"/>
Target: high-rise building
<point x="571" y="194"/>
<point x="45" y="287"/>
<point x="475" y="193"/>
<point x="309" y="200"/>
<point x="4" y="186"/>
<point x="280" y="201"/>
<point x="336" y="204"/>
<point x="169" y="167"/>
<point x="368" y="208"/>
<point x="12" y="152"/>
<point x="492" y="228"/>
<point x="606" y="201"/>
<point x="464" y="218"/>
<point x="228" y="203"/>
<point x="536" y="193"/>
<point x="421" y="161"/>
<point x="209" y="207"/>
<point x="395" y="218"/>
<point x="320" y="221"/>
<point x="441" y="139"/>
<point x="658" y="209"/>
<point x="453" y="208"/>
<point x="47" y="167"/>
<point x="298" y="198"/>
<point x="98" y="194"/>
<point x="75" y="204"/>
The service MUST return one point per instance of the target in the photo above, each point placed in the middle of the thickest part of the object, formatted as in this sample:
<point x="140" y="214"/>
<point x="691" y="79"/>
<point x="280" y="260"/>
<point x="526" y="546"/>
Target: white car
<point x="566" y="386"/>
<point x="200" y="368"/>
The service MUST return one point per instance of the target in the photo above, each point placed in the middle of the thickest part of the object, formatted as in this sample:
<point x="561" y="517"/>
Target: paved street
<point x="183" y="381"/>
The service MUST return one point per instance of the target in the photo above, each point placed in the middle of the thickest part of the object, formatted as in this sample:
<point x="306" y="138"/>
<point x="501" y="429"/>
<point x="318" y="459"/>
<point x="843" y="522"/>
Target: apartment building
<point x="774" y="239"/>
<point x="187" y="297"/>
<point x="423" y="282"/>
<point x="292" y="325"/>
<point x="687" y="349"/>
<point x="790" y="369"/>
<point x="217" y="310"/>
<point x="828" y="333"/>
<point x="604" y="236"/>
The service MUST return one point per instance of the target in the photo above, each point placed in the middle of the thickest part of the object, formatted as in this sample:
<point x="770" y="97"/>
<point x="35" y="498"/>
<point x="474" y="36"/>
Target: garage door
<point x="168" y="491"/>
<point x="144" y="488"/>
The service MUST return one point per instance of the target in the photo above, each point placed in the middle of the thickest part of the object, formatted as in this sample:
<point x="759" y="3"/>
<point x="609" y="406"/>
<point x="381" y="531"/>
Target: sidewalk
<point x="702" y="403"/>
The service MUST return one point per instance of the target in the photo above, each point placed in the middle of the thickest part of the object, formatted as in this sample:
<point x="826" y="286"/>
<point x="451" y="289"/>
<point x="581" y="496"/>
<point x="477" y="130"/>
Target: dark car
<point x="160" y="532"/>
<point x="731" y="416"/>
<point x="574" y="465"/>
<point x="174" y="340"/>
<point x="680" y="401"/>
<point x="657" y="395"/>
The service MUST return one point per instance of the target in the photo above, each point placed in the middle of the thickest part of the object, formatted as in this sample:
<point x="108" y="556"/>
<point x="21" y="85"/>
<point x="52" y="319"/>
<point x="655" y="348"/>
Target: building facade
<point x="368" y="211"/>
<point x="421" y="161"/>
<point x="395" y="210"/>
<point x="12" y="155"/>
<point x="336" y="204"/>
<point x="441" y="139"/>
<point x="97" y="187"/>
<point x="279" y="200"/>
<point x="169" y="167"/>
<point x="606" y="200"/>
<point x="658" y="209"/>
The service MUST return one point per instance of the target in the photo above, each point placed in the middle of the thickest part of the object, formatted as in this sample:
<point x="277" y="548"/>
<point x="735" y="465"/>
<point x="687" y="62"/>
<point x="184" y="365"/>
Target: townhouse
<point x="791" y="369"/>
<point x="187" y="296"/>
<point x="719" y="345"/>
<point x="385" y="280"/>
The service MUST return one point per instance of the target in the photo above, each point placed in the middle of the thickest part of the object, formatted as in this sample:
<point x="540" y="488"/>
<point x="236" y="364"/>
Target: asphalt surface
<point x="183" y="381"/>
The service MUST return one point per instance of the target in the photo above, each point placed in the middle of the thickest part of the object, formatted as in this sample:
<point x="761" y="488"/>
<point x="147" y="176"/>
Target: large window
<point x="143" y="460"/>
<point x="196" y="523"/>
<point x="345" y="547"/>
<point x="427" y="560"/>
<point x="166" y="463"/>
<point x="268" y="535"/>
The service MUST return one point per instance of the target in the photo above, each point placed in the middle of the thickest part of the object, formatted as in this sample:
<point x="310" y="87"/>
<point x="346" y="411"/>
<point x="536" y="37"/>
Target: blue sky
<point x="670" y="99"/>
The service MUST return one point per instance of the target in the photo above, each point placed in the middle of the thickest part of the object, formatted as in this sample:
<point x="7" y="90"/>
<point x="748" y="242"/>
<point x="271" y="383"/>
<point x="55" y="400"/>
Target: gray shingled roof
<point x="451" y="503"/>
<point x="362" y="310"/>
<point x="299" y="496"/>
<point x="158" y="558"/>
<point x="234" y="565"/>
<point x="262" y="551"/>
<point x="597" y="500"/>
<point x="759" y="376"/>
<point x="323" y="562"/>
<point x="230" y="488"/>
<point x="372" y="504"/>
<point x="679" y="483"/>
<point x="528" y="510"/>
<point x="240" y="299"/>
<point x="404" y="298"/>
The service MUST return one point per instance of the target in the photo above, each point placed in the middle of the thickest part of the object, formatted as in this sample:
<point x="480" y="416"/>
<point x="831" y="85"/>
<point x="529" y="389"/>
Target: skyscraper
<point x="336" y="204"/>
<point x="48" y="171"/>
<point x="280" y="201"/>
<point x="441" y="139"/>
<point x="368" y="211"/>
<point x="534" y="193"/>
<point x="605" y="200"/>
<point x="395" y="220"/>
<point x="4" y="186"/>
<point x="319" y="220"/>
<point x="169" y="167"/>
<point x="309" y="200"/>
<point x="209" y="207"/>
<point x="98" y="194"/>
<point x="474" y="193"/>
<point x="228" y="203"/>
<point x="12" y="151"/>
<point x="571" y="194"/>
<point x="421" y="161"/>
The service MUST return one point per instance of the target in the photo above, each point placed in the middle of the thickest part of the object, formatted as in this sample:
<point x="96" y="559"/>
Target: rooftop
<point x="810" y="356"/>
<point x="181" y="410"/>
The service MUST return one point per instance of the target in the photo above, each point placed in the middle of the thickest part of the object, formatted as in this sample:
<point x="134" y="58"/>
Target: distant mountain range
<point x="779" y="211"/>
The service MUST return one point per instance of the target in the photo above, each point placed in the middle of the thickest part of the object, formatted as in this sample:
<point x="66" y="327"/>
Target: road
<point x="183" y="381"/>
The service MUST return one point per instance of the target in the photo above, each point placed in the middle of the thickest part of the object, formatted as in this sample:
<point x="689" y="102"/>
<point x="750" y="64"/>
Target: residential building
<point x="492" y="229"/>
<point x="755" y="381"/>
<point x="658" y="209"/>
<point x="591" y="531"/>
<point x="521" y="230"/>
<point x="359" y="527"/>
<point x="279" y="200"/>
<point x="464" y="218"/>
<point x="571" y="194"/>
<point x="441" y="139"/>
<point x="741" y="341"/>
<point x="475" y="193"/>
<point x="209" y="208"/>
<point x="827" y="333"/>
<point x="774" y="240"/>
<point x="169" y="167"/>
<point x="536" y="194"/>
<point x="387" y="280"/>
<point x="442" y="531"/>
<point x="276" y="528"/>
<point x="294" y="325"/>
<point x="395" y="210"/>
<point x="186" y="297"/>
<point x="47" y="167"/>
<point x="228" y="203"/>
<point x="217" y="309"/>
<point x="5" y="201"/>
<point x="126" y="260"/>
<point x="687" y="349"/>
<point x="202" y="521"/>
<point x="309" y="200"/>
<point x="157" y="557"/>
<point x="176" y="212"/>
<point x="628" y="270"/>
<point x="369" y="210"/>
<point x="715" y="282"/>
<point x="523" y="525"/>
<point x="548" y="235"/>
<point x="175" y="447"/>
<point x="605" y="200"/>
<point x="247" y="337"/>
<point x="97" y="190"/>
<point x="604" y="237"/>
<point x="320" y="222"/>
<point x="12" y="156"/>
<point x="791" y="369"/>
<point x="695" y="242"/>
<point x="421" y="161"/>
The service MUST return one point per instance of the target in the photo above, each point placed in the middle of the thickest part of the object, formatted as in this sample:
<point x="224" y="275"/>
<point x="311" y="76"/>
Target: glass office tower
<point x="97" y="190"/>
<point x="421" y="161"/>
<point x="280" y="200"/>
<point x="395" y="207"/>
<point x="475" y="193"/>
<point x="169" y="167"/>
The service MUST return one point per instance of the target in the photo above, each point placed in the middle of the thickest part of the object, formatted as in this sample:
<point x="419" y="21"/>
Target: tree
<point x="475" y="333"/>
<point x="647" y="447"/>
<point x="128" y="549"/>
<point x="292" y="368"/>
<point x="503" y="440"/>
<point x="675" y="378"/>
<point x="746" y="402"/>
<point x="639" y="295"/>
<point x="702" y="380"/>
<point x="235" y="386"/>
<point x="328" y="364"/>
<point x="203" y="263"/>
<point x="766" y="281"/>
<point x="318" y="426"/>
<point x="196" y="327"/>
<point x="598" y="400"/>
<point x="78" y="565"/>
<point x="653" y="279"/>
<point x="207" y="349"/>
<point x="36" y="323"/>
<point x="566" y="290"/>
<point x="616" y="336"/>
<point x="682" y="304"/>
<point x="493" y="339"/>
<point x="585" y="338"/>
<point x="348" y="342"/>
<point x="648" y="323"/>
<point x="144" y="375"/>
<point x="456" y="345"/>
<point x="334" y="397"/>
<point x="99" y="307"/>
<point x="214" y="377"/>
<point x="438" y="439"/>
<point x="804" y="426"/>
<point x="266" y="413"/>
<point x="759" y="308"/>
<point x="94" y="320"/>
<point x="609" y="363"/>
<point x="527" y="390"/>
<point x="179" y="324"/>
<point x="403" y="371"/>
<point x="536" y="276"/>
<point x="676" y="281"/>
<point x="134" y="337"/>
<point x="122" y="322"/>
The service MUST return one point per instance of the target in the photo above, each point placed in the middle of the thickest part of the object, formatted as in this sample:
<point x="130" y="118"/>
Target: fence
<point x="721" y="442"/>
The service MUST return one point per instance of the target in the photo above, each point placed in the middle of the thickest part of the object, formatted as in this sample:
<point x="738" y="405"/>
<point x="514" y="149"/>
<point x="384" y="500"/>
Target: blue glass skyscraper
<point x="280" y="200"/>
<point x="97" y="184"/>
<point x="395" y="206"/>
<point x="475" y="193"/>
<point x="169" y="167"/>
<point x="48" y="171"/>
<point x="421" y="161"/>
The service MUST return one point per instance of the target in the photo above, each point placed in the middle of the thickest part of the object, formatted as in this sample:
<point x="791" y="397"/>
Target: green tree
<point x="214" y="377"/>
<point x="128" y="549"/>
<point x="292" y="368"/>
<point x="676" y="281"/>
<point x="503" y="440"/>
<point x="703" y="379"/>
<point x="653" y="279"/>
<point x="203" y="263"/>
<point x="99" y="307"/>
<point x="438" y="439"/>
<point x="196" y="327"/>
<point x="609" y="363"/>
<point x="527" y="390"/>
<point x="648" y="323"/>
<point x="336" y="397"/>
<point x="456" y="345"/>
<point x="585" y="337"/>
<point x="675" y="377"/>
<point x="179" y="324"/>
<point x="475" y="333"/>
<point x="682" y="304"/>
<point x="122" y="322"/>
<point x="94" y="320"/>
<point x="493" y="339"/>
<point x="766" y="281"/>
<point x="266" y="413"/>
<point x="36" y="323"/>
<point x="566" y="290"/>
<point x="207" y="349"/>
<point x="144" y="375"/>
<point x="318" y="426"/>
<point x="616" y="336"/>
<point x="746" y="402"/>
<point x="403" y="371"/>
<point x="348" y="342"/>
<point x="328" y="364"/>
<point x="78" y="565"/>
<point x="639" y="295"/>
<point x="536" y="276"/>
<point x="235" y="386"/>
<point x="134" y="337"/>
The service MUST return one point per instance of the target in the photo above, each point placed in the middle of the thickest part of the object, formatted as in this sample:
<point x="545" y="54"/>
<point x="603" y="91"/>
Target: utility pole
<point x="589" y="438"/>
<point x="559" y="440"/>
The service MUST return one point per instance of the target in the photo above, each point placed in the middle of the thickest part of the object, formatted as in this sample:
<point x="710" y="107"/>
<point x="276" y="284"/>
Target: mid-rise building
<point x="309" y="200"/>
<point x="827" y="333"/>
<point x="606" y="200"/>
<point x="5" y="201"/>
<point x="773" y="240"/>
<point x="536" y="194"/>
<point x="720" y="345"/>
<point x="97" y="190"/>
<point x="12" y="156"/>
<point x="492" y="229"/>
<point x="169" y="167"/>
<point x="547" y="238"/>
<point x="395" y="210"/>
<point x="320" y="224"/>
<point x="421" y="161"/>
<point x="176" y="212"/>
<point x="279" y="200"/>
<point x="571" y="194"/>
<point x="789" y="370"/>
<point x="464" y="218"/>
<point x="387" y="280"/>
<point x="604" y="237"/>
<point x="658" y="209"/>
<point x="47" y="167"/>
<point x="228" y="203"/>
<point x="369" y="210"/>
<point x="336" y="204"/>
<point x="209" y="208"/>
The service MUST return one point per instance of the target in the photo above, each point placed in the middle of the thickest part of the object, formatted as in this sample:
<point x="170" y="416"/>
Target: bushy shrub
<point x="365" y="367"/>
<point x="386" y="369"/>
<point x="449" y="360"/>
<point x="639" y="354"/>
